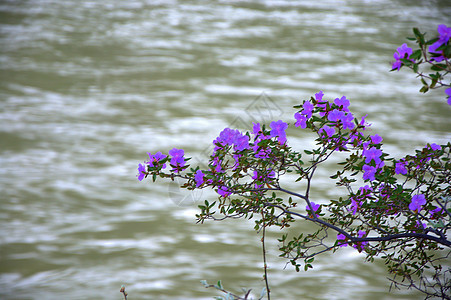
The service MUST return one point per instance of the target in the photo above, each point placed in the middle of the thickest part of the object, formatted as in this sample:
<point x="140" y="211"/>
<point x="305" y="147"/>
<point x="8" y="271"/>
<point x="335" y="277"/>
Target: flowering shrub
<point x="397" y="209"/>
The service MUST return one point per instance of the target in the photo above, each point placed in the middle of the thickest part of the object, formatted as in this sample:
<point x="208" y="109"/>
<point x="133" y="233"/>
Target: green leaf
<point x="419" y="36"/>
<point x="416" y="54"/>
<point x="424" y="89"/>
<point x="430" y="42"/>
<point x="438" y="67"/>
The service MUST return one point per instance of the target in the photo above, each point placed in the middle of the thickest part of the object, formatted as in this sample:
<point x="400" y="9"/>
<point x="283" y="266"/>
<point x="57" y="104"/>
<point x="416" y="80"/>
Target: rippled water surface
<point x="88" y="87"/>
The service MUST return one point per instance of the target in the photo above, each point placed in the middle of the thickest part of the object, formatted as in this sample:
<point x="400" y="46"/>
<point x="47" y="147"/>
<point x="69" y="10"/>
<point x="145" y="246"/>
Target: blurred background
<point x="88" y="87"/>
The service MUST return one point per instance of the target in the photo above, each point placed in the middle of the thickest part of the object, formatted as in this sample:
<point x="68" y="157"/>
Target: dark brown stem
<point x="264" y="260"/>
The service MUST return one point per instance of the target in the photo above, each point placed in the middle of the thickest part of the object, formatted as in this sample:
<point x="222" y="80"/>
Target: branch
<point x="365" y="239"/>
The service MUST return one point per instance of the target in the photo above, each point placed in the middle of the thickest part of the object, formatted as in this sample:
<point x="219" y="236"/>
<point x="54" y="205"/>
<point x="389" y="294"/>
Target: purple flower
<point x="359" y="246"/>
<point x="241" y="142"/>
<point x="319" y="96"/>
<point x="226" y="136"/>
<point x="315" y="207"/>
<point x="354" y="206"/>
<point x="436" y="213"/>
<point x="400" y="167"/>
<point x="199" y="177"/>
<point x="223" y="191"/>
<point x="335" y="115"/>
<point x="364" y="123"/>
<point x="372" y="154"/>
<point x="154" y="159"/>
<point x="365" y="189"/>
<point x="341" y="238"/>
<point x="342" y="102"/>
<point x="444" y="36"/>
<point x="448" y="92"/>
<point x="348" y="121"/>
<point x="402" y="52"/>
<point x="278" y="129"/>
<point x="435" y="147"/>
<point x="369" y="172"/>
<point x="308" y="108"/>
<point x="417" y="201"/>
<point x="444" y="33"/>
<point x="376" y="139"/>
<point x="301" y="120"/>
<point x="233" y="137"/>
<point x="177" y="158"/>
<point x="256" y="128"/>
<point x="329" y="131"/>
<point x="141" y="169"/>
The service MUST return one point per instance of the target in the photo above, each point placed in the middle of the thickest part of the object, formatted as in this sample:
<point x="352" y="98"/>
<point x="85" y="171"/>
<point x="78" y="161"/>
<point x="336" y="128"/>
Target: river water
<point x="88" y="87"/>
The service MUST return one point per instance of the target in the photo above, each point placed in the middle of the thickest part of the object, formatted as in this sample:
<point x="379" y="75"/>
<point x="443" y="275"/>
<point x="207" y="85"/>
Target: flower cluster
<point x="157" y="162"/>
<point x="439" y="50"/>
<point x="402" y="199"/>
<point x="402" y="52"/>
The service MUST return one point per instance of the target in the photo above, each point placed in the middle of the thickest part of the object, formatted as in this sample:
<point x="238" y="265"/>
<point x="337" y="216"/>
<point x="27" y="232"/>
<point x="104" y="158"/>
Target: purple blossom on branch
<point x="315" y="207"/>
<point x="154" y="159"/>
<point x="400" y="167"/>
<point x="372" y="154"/>
<point x="370" y="172"/>
<point x="348" y="121"/>
<point x="401" y="52"/>
<point x="233" y="137"/>
<point x="341" y="238"/>
<point x="376" y="139"/>
<point x="199" y="177"/>
<point x="329" y="131"/>
<point x="448" y="92"/>
<point x="223" y="191"/>
<point x="342" y="102"/>
<point x="444" y="36"/>
<point x="256" y="128"/>
<point x="278" y="130"/>
<point x="308" y="108"/>
<point x="436" y="213"/>
<point x="435" y="147"/>
<point x="355" y="205"/>
<point x="417" y="201"/>
<point x="359" y="246"/>
<point x="301" y="120"/>
<point x="177" y="159"/>
<point x="335" y="115"/>
<point x="141" y="169"/>
<point x="319" y="96"/>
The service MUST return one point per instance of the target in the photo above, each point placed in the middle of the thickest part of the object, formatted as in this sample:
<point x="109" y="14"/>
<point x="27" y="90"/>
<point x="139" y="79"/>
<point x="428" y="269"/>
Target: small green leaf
<point x="416" y="54"/>
<point x="424" y="89"/>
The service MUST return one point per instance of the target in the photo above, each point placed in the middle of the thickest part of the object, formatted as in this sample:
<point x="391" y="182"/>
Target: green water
<point x="88" y="87"/>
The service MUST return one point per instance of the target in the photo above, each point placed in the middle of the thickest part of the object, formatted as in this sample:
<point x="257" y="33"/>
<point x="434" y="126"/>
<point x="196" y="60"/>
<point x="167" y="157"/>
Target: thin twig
<point x="123" y="292"/>
<point x="264" y="259"/>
